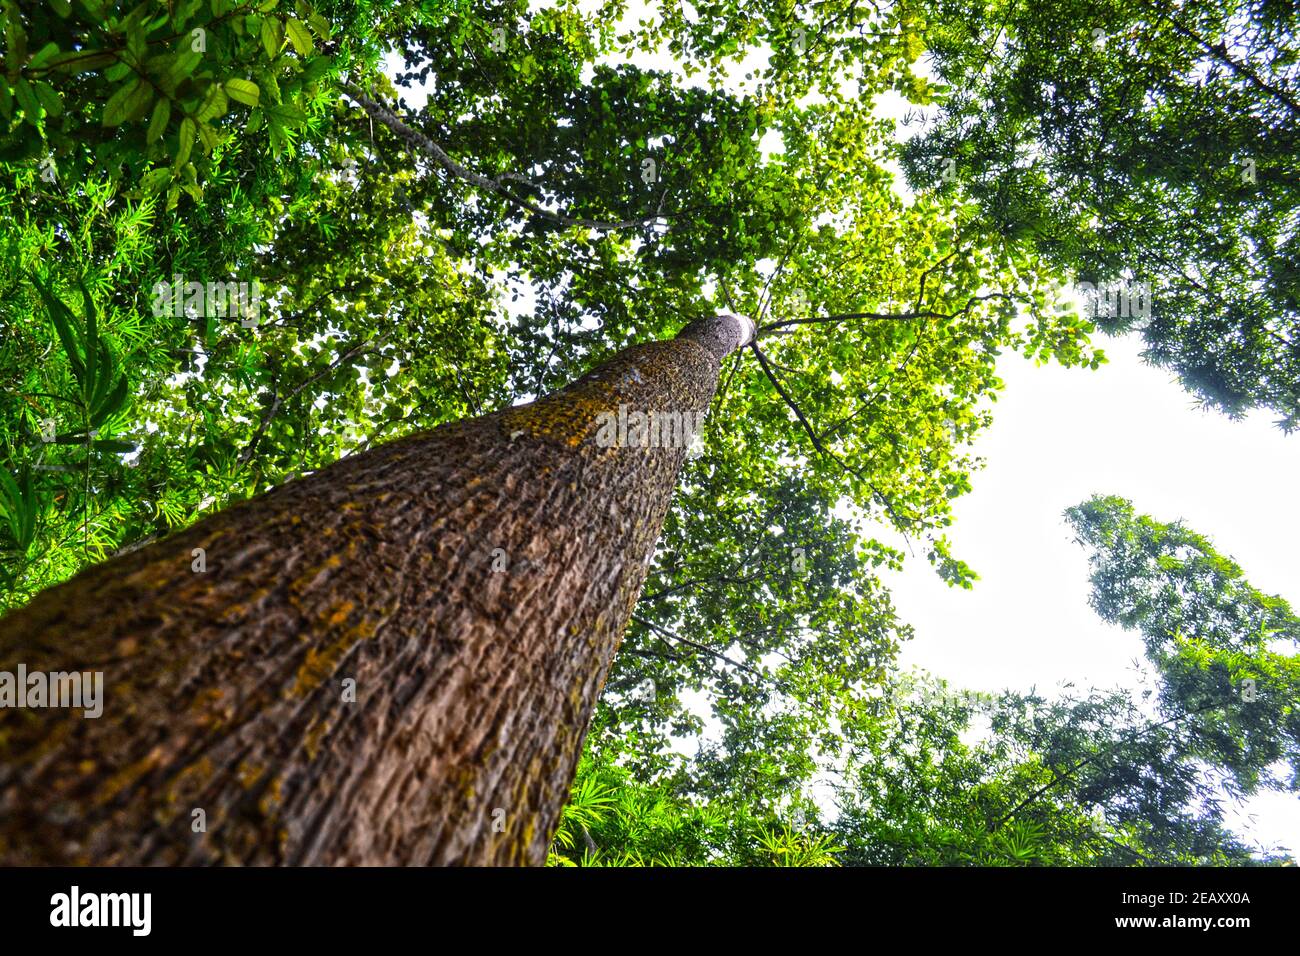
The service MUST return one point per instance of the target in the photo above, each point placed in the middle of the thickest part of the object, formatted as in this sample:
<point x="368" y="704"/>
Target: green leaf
<point x="162" y="112"/>
<point x="272" y="36"/>
<point x="186" y="143"/>
<point x="119" y="105"/>
<point x="15" y="40"/>
<point x="119" y="70"/>
<point x="64" y="324"/>
<point x="49" y="99"/>
<point x="93" y="349"/>
<point x="300" y="36"/>
<point x="156" y="179"/>
<point x="19" y="505"/>
<point x="10" y="497"/>
<point x="287" y="114"/>
<point x="45" y="54"/>
<point x="208" y="137"/>
<point x="316" y="68"/>
<point x="27" y="100"/>
<point x="182" y="66"/>
<point x="111" y="403"/>
<point x="80" y="61"/>
<point x="190" y="182"/>
<point x="243" y="91"/>
<point x="214" y="105"/>
<point x="106" y="385"/>
<point x="139" y="102"/>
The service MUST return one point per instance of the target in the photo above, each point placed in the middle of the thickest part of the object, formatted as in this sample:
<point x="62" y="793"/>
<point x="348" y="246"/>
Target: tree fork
<point x="473" y="582"/>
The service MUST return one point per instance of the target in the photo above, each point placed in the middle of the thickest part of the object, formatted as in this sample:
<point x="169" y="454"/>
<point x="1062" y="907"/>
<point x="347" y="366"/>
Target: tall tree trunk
<point x="473" y="581"/>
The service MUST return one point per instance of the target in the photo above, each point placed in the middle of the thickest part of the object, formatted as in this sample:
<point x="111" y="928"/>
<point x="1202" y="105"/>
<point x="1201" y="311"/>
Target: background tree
<point x="1105" y="777"/>
<point x="1139" y="141"/>
<point x="1224" y="652"/>
<point x="949" y="778"/>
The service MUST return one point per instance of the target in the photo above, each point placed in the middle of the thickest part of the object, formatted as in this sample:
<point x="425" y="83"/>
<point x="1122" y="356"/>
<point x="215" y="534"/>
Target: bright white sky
<point x="1059" y="436"/>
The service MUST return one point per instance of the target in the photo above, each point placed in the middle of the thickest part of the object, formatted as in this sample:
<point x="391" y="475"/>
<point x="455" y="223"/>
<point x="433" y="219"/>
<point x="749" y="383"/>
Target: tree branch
<point x="817" y="443"/>
<point x="699" y="647"/>
<point x="777" y="328"/>
<point x="421" y="143"/>
<point x="269" y="415"/>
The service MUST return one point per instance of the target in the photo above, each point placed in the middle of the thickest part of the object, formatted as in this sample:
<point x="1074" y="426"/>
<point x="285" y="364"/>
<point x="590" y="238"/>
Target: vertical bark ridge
<point x="224" y="690"/>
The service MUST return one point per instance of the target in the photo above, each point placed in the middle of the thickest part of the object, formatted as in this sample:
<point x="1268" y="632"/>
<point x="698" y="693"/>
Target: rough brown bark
<point x="476" y="670"/>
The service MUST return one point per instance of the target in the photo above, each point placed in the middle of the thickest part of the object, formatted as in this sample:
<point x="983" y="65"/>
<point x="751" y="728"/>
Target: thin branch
<point x="418" y="141"/>
<point x="920" y="293"/>
<point x="1220" y="52"/>
<point x="699" y="647"/>
<point x="729" y="577"/>
<point x="817" y="443"/>
<point x="246" y="455"/>
<point x="880" y="384"/>
<point x="695" y="582"/>
<point x="776" y="328"/>
<point x="1058" y="776"/>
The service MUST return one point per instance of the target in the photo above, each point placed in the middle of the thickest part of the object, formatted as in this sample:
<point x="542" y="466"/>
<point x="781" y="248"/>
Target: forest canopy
<point x="242" y="240"/>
